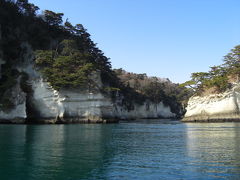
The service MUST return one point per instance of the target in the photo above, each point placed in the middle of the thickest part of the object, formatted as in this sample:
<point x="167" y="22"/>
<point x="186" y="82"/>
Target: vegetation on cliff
<point x="218" y="78"/>
<point x="156" y="89"/>
<point x="67" y="57"/>
<point x="64" y="53"/>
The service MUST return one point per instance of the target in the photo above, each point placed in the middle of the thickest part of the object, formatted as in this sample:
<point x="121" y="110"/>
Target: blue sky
<point x="164" y="38"/>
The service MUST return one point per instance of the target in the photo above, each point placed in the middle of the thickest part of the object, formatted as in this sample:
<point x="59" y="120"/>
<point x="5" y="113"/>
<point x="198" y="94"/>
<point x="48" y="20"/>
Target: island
<point x="52" y="72"/>
<point x="216" y="93"/>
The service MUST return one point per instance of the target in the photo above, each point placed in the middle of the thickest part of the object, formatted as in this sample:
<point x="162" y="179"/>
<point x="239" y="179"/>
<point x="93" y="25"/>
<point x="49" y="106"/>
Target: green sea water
<point x="144" y="149"/>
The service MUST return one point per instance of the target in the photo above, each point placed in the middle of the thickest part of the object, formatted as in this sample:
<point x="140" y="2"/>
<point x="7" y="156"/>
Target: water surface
<point x="146" y="149"/>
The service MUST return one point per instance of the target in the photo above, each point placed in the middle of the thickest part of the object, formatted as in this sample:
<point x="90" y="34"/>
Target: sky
<point x="164" y="38"/>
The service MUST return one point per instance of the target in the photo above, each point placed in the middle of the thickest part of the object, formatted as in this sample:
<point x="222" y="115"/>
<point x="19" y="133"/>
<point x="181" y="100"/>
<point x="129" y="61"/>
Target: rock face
<point x="215" y="107"/>
<point x="43" y="104"/>
<point x="145" y="111"/>
<point x="78" y="106"/>
<point x="1" y="54"/>
<point x="18" y="113"/>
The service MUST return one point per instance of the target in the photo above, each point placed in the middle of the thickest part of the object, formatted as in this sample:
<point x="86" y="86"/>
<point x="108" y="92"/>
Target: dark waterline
<point x="146" y="149"/>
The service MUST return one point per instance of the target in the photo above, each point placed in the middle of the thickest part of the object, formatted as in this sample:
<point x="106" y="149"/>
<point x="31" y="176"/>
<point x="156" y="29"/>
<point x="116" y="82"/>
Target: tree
<point x="27" y="8"/>
<point x="52" y="18"/>
<point x="232" y="62"/>
<point x="189" y="84"/>
<point x="69" y="27"/>
<point x="80" y="30"/>
<point x="199" y="77"/>
<point x="66" y="67"/>
<point x="218" y="77"/>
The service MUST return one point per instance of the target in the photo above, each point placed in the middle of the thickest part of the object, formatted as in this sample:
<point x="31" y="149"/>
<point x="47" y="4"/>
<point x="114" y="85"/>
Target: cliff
<point x="52" y="72"/>
<point x="215" y="107"/>
<point x="41" y="103"/>
<point x="46" y="105"/>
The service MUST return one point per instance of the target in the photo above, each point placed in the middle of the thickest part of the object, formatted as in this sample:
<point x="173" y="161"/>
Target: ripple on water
<point x="143" y="149"/>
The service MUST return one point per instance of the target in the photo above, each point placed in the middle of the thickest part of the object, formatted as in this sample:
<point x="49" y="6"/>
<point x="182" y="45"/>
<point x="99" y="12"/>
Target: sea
<point x="140" y="149"/>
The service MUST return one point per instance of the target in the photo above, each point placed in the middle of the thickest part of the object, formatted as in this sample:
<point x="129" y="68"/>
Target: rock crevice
<point x="215" y="107"/>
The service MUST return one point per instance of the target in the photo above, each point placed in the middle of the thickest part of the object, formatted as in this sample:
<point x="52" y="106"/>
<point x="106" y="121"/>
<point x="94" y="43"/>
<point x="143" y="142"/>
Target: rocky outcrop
<point x="1" y="54"/>
<point x="79" y="106"/>
<point x="43" y="104"/>
<point x="146" y="110"/>
<point x="75" y="106"/>
<point x="1" y="63"/>
<point x="18" y="113"/>
<point x="68" y="106"/>
<point x="215" y="107"/>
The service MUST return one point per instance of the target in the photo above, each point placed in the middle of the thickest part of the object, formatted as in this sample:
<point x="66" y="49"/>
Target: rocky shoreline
<point x="215" y="118"/>
<point x="221" y="107"/>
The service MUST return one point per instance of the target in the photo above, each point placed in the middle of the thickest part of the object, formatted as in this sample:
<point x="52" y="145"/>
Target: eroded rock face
<point x="1" y="63"/>
<point x="145" y="111"/>
<point x="78" y="106"/>
<point x="45" y="101"/>
<point x="215" y="107"/>
<point x="67" y="106"/>
<point x="1" y="55"/>
<point x="18" y="113"/>
<point x="43" y="104"/>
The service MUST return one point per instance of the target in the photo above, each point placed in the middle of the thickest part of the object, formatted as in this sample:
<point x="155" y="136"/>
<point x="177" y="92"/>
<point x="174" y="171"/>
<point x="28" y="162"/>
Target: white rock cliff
<point x="215" y="107"/>
<point x="74" y="106"/>
<point x="70" y="106"/>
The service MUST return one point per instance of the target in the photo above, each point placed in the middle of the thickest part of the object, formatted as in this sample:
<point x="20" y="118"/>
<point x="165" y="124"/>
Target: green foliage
<point x="189" y="84"/>
<point x="220" y="82"/>
<point x="19" y="23"/>
<point x="199" y="76"/>
<point x="155" y="92"/>
<point x="154" y="89"/>
<point x="27" y="8"/>
<point x="52" y="18"/>
<point x="67" y="67"/>
<point x="44" y="58"/>
<point x="218" y="77"/>
<point x="67" y="57"/>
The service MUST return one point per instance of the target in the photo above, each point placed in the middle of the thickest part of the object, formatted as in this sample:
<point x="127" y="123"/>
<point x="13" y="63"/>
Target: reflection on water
<point x="214" y="149"/>
<point x="52" y="152"/>
<point x="153" y="149"/>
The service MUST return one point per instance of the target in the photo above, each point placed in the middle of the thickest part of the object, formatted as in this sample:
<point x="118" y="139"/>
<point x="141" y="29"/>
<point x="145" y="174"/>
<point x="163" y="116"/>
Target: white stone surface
<point x="147" y="110"/>
<point x="46" y="100"/>
<point x="215" y="104"/>
<point x="89" y="106"/>
<point x="80" y="105"/>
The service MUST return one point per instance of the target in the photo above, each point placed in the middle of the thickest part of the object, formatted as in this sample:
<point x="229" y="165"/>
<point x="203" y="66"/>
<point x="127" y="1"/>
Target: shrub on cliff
<point x="219" y="77"/>
<point x="66" y="67"/>
<point x="65" y="54"/>
<point x="155" y="89"/>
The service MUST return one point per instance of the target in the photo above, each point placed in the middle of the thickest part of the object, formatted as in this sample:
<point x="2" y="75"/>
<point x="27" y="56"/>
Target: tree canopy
<point x="218" y="77"/>
<point x="156" y="89"/>
<point x="67" y="57"/>
<point x="66" y="67"/>
<point x="52" y="18"/>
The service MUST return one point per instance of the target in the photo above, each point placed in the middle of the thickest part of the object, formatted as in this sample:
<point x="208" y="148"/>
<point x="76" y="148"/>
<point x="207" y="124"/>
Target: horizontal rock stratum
<point x="214" y="107"/>
<point x="47" y="105"/>
<point x="53" y="72"/>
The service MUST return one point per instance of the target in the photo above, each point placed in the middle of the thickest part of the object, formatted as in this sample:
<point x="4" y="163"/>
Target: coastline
<point x="212" y="118"/>
<point x="77" y="121"/>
